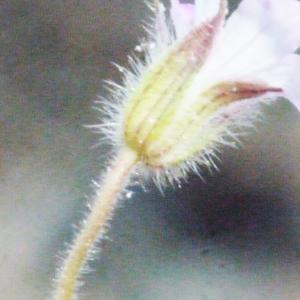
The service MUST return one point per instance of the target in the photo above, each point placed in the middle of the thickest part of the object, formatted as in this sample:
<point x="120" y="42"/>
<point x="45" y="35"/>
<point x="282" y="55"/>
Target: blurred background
<point x="235" y="236"/>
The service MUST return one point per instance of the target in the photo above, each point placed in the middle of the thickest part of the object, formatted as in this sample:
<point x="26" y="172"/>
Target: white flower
<point x="204" y="78"/>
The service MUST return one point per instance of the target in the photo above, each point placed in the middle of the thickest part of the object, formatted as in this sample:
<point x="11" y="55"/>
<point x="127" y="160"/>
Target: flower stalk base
<point x="93" y="229"/>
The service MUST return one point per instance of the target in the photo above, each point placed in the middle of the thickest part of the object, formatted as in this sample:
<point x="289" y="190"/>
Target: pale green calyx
<point x="167" y="119"/>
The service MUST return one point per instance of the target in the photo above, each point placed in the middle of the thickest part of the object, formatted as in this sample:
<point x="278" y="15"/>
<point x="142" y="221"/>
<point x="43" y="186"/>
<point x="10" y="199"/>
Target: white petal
<point x="206" y="9"/>
<point x="183" y="16"/>
<point x="286" y="76"/>
<point x="257" y="35"/>
<point x="187" y="16"/>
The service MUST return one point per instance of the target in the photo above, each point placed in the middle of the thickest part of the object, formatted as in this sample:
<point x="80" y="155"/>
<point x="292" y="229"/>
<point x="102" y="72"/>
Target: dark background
<point x="234" y="237"/>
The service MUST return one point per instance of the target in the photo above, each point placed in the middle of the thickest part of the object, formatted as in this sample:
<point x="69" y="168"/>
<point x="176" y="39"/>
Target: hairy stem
<point x="93" y="229"/>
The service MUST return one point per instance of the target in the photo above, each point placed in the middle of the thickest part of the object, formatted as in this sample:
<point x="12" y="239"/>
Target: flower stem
<point x="94" y="227"/>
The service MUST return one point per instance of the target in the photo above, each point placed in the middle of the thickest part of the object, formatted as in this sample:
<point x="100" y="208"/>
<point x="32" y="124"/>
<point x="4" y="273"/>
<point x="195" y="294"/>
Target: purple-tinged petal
<point x="258" y="35"/>
<point x="279" y="19"/>
<point x="183" y="16"/>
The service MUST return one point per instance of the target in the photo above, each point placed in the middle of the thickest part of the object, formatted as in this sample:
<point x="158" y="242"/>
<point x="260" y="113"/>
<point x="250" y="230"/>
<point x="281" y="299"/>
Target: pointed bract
<point x="187" y="16"/>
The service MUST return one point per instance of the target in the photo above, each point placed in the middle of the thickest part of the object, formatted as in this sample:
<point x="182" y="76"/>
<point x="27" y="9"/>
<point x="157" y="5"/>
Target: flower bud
<point x="167" y="119"/>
